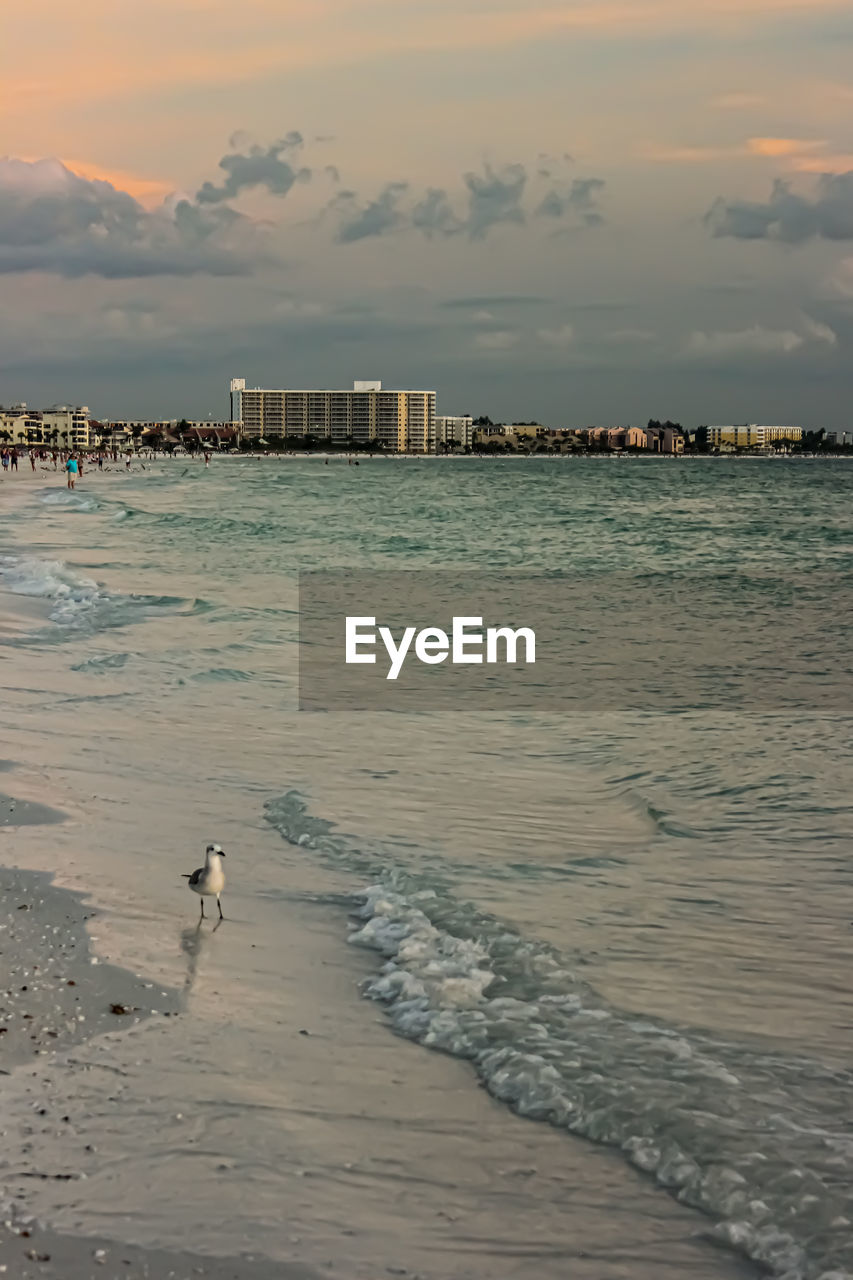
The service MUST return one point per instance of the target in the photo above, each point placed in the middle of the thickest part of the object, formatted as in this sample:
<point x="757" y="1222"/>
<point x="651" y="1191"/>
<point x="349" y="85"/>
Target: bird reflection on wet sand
<point x="192" y="944"/>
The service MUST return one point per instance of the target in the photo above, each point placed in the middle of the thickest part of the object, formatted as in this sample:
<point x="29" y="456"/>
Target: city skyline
<point x="580" y="211"/>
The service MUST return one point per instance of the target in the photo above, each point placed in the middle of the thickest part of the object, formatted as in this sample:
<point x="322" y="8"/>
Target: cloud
<point x="258" y="167"/>
<point x="564" y="336"/>
<point x="54" y="220"/>
<point x="631" y="335"/>
<point x="757" y="340"/>
<point x="193" y="47"/>
<point x="787" y="216"/>
<point x="379" y="216"/>
<point x="493" y="197"/>
<point x="495" y="300"/>
<point x="665" y="153"/>
<point x="820" y="332"/>
<point x="496" y="340"/>
<point x="580" y="198"/>
<point x="783" y="146"/>
<point x="799" y="155"/>
<point x="434" y="215"/>
<point x="840" y="282"/>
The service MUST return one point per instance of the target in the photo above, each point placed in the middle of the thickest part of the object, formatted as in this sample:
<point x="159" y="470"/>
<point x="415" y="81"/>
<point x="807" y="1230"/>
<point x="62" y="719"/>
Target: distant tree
<point x="483" y="422"/>
<point x="812" y="441"/>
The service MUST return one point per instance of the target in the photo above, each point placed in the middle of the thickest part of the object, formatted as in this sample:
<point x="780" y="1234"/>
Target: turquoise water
<point x="636" y="926"/>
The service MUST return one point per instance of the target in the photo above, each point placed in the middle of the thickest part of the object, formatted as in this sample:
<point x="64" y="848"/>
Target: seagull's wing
<point x="196" y="875"/>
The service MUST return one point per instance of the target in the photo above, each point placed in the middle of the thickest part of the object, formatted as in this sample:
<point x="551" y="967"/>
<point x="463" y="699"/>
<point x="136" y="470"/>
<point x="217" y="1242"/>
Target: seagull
<point x="209" y="881"/>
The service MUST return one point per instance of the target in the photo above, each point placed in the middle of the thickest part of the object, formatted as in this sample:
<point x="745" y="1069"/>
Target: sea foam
<point x="73" y="596"/>
<point x="754" y="1138"/>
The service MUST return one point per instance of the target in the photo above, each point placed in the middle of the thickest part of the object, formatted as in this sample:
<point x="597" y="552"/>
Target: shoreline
<point x="50" y="1006"/>
<point x="369" y="1153"/>
<point x="429" y="1122"/>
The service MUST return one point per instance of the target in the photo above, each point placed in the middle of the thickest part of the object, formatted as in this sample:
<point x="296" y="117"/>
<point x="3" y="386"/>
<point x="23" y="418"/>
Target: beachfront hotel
<point x="454" y="431"/>
<point x="399" y="421"/>
<point x="60" y="426"/>
<point x="751" y="436"/>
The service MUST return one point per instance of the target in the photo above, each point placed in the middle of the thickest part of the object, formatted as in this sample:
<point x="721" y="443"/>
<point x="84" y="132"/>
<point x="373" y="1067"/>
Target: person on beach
<point x="4" y="458"/>
<point x="13" y="458"/>
<point x="33" y="459"/>
<point x="72" y="469"/>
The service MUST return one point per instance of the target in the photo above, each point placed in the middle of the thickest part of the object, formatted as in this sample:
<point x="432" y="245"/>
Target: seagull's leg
<point x="201" y="917"/>
<point x="219" y="904"/>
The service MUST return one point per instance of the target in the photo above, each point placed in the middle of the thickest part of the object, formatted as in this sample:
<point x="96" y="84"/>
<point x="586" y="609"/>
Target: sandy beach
<point x="382" y="1159"/>
<point x="378" y="1156"/>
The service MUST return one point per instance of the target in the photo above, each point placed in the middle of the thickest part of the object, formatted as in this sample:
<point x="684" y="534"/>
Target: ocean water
<point x="636" y="927"/>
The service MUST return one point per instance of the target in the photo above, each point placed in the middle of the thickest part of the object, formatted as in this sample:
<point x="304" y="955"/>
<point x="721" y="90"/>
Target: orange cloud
<point x="784" y="146"/>
<point x="801" y="155"/>
<point x="148" y="191"/>
<point x="662" y="154"/>
<point x="838" y="163"/>
<point x="100" y="51"/>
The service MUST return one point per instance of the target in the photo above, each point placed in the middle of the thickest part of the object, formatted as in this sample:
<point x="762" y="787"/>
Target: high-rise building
<point x="70" y="425"/>
<point x="399" y="421"/>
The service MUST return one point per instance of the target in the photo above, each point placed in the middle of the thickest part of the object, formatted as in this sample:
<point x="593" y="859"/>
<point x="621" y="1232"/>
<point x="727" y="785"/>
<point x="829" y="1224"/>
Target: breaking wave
<point x="759" y="1140"/>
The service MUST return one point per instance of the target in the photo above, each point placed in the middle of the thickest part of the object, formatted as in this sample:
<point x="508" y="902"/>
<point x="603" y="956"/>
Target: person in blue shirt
<point x="72" y="469"/>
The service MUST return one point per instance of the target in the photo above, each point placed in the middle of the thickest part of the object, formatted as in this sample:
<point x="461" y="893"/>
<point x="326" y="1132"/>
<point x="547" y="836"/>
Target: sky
<point x="575" y="211"/>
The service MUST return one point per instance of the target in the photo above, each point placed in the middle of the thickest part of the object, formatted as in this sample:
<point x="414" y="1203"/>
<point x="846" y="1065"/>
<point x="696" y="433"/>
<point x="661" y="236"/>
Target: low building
<point x="664" y="439"/>
<point x="525" y="430"/>
<point x="58" y="427"/>
<point x="597" y="437"/>
<point x="20" y="425"/>
<point x="128" y="432"/>
<point x="750" y="435"/>
<point x="494" y="435"/>
<point x="399" y="421"/>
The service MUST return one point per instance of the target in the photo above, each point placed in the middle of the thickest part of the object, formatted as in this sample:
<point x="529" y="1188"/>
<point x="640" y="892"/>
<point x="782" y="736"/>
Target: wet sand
<point x="55" y="997"/>
<point x="30" y="1252"/>
<point x="379" y="1158"/>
